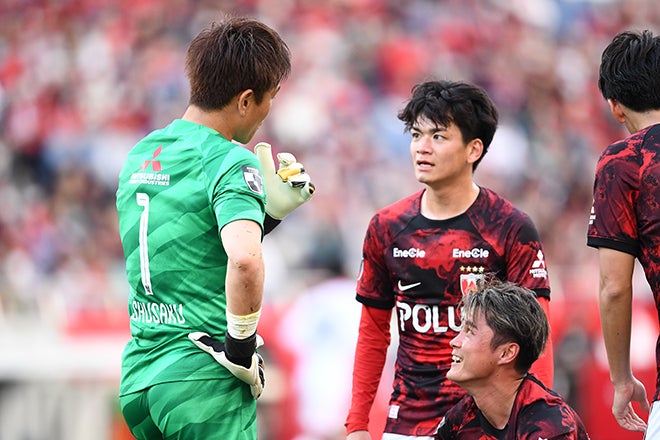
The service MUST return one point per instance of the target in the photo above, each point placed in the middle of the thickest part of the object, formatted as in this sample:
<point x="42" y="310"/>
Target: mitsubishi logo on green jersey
<point x="155" y="164"/>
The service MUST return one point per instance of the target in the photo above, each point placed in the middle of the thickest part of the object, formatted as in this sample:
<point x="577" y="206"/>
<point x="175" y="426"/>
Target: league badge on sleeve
<point x="253" y="179"/>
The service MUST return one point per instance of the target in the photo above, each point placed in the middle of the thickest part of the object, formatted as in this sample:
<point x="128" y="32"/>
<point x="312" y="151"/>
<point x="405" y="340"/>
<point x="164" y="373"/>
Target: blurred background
<point x="82" y="80"/>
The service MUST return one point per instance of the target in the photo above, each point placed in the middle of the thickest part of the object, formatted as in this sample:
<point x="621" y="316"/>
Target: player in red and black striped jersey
<point x="625" y="217"/>
<point x="504" y="331"/>
<point x="423" y="253"/>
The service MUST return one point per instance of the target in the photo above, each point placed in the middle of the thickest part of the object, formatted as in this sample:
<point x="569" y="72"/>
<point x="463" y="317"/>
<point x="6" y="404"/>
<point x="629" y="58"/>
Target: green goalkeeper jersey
<point x="178" y="187"/>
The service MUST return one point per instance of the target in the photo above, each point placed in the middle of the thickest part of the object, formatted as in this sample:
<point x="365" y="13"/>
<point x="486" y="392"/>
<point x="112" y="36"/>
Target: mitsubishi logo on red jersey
<point x="155" y="164"/>
<point x="540" y="262"/>
<point x="538" y="266"/>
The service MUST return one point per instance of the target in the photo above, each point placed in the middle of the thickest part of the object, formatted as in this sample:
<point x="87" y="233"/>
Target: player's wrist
<point x="241" y="338"/>
<point x="240" y="351"/>
<point x="270" y="223"/>
<point x="242" y="326"/>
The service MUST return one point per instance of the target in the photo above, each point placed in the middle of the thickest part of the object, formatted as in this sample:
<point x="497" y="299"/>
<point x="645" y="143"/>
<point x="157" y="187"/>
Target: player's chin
<point x="421" y="176"/>
<point x="454" y="372"/>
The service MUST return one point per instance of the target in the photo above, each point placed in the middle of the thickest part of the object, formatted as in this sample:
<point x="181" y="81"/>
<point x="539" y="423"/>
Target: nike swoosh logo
<point x="403" y="288"/>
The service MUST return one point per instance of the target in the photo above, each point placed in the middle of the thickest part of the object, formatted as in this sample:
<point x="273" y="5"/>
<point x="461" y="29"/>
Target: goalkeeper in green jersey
<point x="193" y="207"/>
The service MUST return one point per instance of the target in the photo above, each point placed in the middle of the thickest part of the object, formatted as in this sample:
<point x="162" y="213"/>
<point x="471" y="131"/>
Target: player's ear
<point x="617" y="110"/>
<point x="244" y="100"/>
<point x="475" y="149"/>
<point x="508" y="352"/>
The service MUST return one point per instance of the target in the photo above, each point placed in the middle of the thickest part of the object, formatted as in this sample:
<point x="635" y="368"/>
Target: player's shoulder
<point x="492" y="202"/>
<point x="632" y="146"/>
<point x="241" y="154"/>
<point x="406" y="207"/>
<point x="541" y="410"/>
<point x="463" y="413"/>
<point x="465" y="406"/>
<point x="534" y="394"/>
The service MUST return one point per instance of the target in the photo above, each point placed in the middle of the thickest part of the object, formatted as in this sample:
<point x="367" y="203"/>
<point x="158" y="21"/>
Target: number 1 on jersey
<point x="143" y="200"/>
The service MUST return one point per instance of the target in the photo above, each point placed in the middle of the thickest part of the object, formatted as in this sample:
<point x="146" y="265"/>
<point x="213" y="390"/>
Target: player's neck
<point x="445" y="203"/>
<point x="212" y="119"/>
<point x="496" y="399"/>
<point x="636" y="121"/>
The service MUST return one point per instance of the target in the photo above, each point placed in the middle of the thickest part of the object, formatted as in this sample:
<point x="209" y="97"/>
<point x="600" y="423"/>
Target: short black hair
<point x="442" y="102"/>
<point x="234" y="55"/>
<point x="630" y="70"/>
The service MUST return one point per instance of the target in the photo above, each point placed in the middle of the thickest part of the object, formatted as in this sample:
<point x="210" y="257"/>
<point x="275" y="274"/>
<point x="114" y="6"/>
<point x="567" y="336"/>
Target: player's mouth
<point x="424" y="164"/>
<point x="456" y="359"/>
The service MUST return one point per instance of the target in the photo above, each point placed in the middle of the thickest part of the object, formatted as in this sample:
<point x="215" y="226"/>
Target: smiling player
<point x="504" y="331"/>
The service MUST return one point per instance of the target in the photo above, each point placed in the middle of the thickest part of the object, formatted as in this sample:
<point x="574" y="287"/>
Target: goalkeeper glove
<point x="238" y="356"/>
<point x="286" y="189"/>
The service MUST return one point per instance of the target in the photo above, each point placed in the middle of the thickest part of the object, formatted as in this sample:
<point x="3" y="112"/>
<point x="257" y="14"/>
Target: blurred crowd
<point x="82" y="80"/>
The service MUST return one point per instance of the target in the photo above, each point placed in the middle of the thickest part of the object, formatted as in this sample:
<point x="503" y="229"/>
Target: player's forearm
<point x="244" y="288"/>
<point x="615" y="303"/>
<point x="368" y="368"/>
<point x="370" y="356"/>
<point x="245" y="267"/>
<point x="615" y="317"/>
<point x="543" y="368"/>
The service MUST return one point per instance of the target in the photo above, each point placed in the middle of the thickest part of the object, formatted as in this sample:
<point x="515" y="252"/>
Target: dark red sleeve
<point x="544" y="367"/>
<point x="370" y="355"/>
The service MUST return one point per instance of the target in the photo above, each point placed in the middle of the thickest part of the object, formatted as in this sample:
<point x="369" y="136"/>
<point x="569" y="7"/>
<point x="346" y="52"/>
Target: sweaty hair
<point x="514" y="314"/>
<point x="234" y="55"/>
<point x="630" y="70"/>
<point x="466" y="105"/>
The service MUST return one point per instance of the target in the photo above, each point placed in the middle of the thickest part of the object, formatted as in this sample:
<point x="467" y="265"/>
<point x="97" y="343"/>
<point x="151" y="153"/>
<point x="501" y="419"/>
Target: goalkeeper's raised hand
<point x="237" y="356"/>
<point x="288" y="187"/>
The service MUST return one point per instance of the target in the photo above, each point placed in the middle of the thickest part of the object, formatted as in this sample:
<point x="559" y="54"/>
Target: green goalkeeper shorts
<point x="217" y="409"/>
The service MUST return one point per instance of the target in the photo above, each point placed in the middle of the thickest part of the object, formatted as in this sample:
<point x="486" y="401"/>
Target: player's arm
<point x="615" y="303"/>
<point x="245" y="267"/>
<point x="544" y="367"/>
<point x="526" y="266"/>
<point x="370" y="355"/>
<point x="244" y="290"/>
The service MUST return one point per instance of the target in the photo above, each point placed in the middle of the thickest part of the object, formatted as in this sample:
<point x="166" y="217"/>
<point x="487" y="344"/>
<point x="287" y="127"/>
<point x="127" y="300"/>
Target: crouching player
<point x="504" y="330"/>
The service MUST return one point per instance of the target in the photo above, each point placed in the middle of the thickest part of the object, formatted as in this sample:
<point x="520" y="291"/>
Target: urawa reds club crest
<point x="470" y="280"/>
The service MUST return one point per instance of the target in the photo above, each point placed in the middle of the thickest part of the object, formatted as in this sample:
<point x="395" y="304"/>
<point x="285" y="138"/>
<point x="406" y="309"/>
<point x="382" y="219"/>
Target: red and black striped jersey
<point x="537" y="413"/>
<point x="422" y="268"/>
<point x="625" y="215"/>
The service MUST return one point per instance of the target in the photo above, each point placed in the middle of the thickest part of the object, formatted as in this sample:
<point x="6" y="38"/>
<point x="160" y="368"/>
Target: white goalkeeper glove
<point x="253" y="375"/>
<point x="288" y="187"/>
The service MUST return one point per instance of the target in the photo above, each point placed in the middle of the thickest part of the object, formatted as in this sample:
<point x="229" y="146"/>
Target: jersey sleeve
<point x="374" y="287"/>
<point x="544" y="367"/>
<point x="237" y="189"/>
<point x="370" y="355"/>
<point x="525" y="259"/>
<point x="612" y="222"/>
<point x="526" y="266"/>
